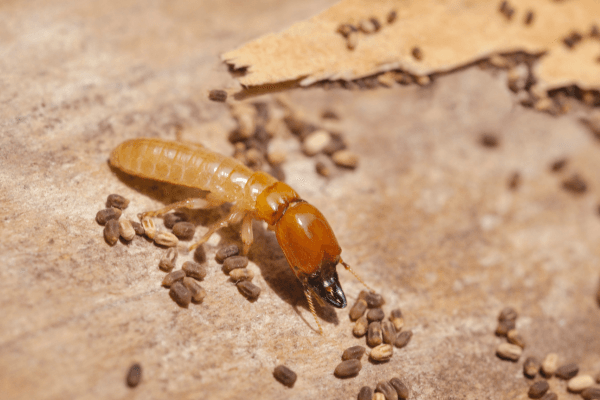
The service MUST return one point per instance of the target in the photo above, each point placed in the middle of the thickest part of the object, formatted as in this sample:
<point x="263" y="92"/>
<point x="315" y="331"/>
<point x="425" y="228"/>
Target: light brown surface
<point x="426" y="219"/>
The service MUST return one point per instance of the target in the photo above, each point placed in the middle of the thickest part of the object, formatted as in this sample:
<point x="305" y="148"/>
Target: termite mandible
<point x="302" y="232"/>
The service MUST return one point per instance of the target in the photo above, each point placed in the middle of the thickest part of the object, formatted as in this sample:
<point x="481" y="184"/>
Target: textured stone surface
<point x="426" y="219"/>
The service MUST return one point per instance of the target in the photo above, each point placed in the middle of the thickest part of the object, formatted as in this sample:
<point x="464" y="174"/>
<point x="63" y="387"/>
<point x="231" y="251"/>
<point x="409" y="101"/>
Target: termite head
<point x="312" y="250"/>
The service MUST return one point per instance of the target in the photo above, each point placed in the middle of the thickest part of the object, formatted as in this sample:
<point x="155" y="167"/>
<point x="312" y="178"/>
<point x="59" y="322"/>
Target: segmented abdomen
<point x="183" y="164"/>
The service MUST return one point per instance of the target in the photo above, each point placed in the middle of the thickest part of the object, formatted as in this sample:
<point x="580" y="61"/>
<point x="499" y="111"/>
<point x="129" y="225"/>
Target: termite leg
<point x="247" y="234"/>
<point x="188" y="203"/>
<point x="312" y="309"/>
<point x="355" y="275"/>
<point x="234" y="217"/>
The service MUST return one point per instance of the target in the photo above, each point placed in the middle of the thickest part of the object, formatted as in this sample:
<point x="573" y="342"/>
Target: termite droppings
<point x="103" y="216"/>
<point x="550" y="364"/>
<point x="277" y="157"/>
<point x="567" y="371"/>
<point x="508" y="314"/>
<point x="515" y="338"/>
<point x="198" y="293"/>
<point x="354" y="352"/>
<point x="550" y="396"/>
<point x="397" y="319"/>
<point x="514" y="181"/>
<point x="391" y="17"/>
<point x="366" y="393"/>
<point x="248" y="289"/>
<point x="400" y="387"/>
<point x="361" y="326"/>
<point x="336" y="143"/>
<point x="580" y="383"/>
<point x="166" y="239"/>
<point x="348" y="368"/>
<point x="241" y="274"/>
<point x="180" y="294"/>
<point x="575" y="184"/>
<point x="226" y="252"/>
<point x="591" y="393"/>
<point x="234" y="262"/>
<point x="171" y="219"/>
<point x="194" y="270"/>
<point x="322" y="169"/>
<point x="345" y="158"/>
<point x="388" y="391"/>
<point x="316" y="142"/>
<point x="403" y="339"/>
<point x="184" y="230"/>
<point x="531" y="367"/>
<point x="126" y="229"/>
<point x="173" y="277"/>
<point x="389" y="332"/>
<point x="117" y="201"/>
<point x="329" y="114"/>
<point x="217" y="95"/>
<point x="538" y="389"/>
<point x="510" y="352"/>
<point x="383" y="352"/>
<point x="417" y="53"/>
<point x="134" y="375"/>
<point x="373" y="300"/>
<point x="149" y="227"/>
<point x="375" y="314"/>
<point x="285" y="375"/>
<point x="167" y="262"/>
<point x="572" y="40"/>
<point x="379" y="396"/>
<point x="138" y="228"/>
<point x="558" y="165"/>
<point x="504" y="327"/>
<point x="200" y="254"/>
<point x="111" y="232"/>
<point x="528" y="17"/>
<point x="489" y="140"/>
<point x="374" y="334"/>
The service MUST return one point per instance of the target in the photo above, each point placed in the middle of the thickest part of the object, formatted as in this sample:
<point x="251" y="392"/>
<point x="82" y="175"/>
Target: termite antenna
<point x="355" y="275"/>
<point x="312" y="309"/>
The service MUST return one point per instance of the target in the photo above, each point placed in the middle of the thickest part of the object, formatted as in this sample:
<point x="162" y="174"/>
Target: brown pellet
<point x="348" y="368"/>
<point x="241" y="274"/>
<point x="126" y="229"/>
<point x="217" y="95"/>
<point x="103" y="216"/>
<point x="550" y="396"/>
<point x="345" y="158"/>
<point x="489" y="140"/>
<point x="400" y="387"/>
<point x="111" y="232"/>
<point x="550" y="364"/>
<point x="389" y="332"/>
<point x="378" y="396"/>
<point x="572" y="40"/>
<point x="531" y="367"/>
<point x="285" y="375"/>
<point x="336" y="143"/>
<point x="322" y="169"/>
<point x="180" y="294"/>
<point x="510" y="352"/>
<point x="117" y="201"/>
<point x="387" y="389"/>
<point x="138" y="228"/>
<point x="417" y="53"/>
<point x="248" y="289"/>
<point x="391" y="17"/>
<point x="134" y="375"/>
<point x="575" y="184"/>
<point x="164" y="238"/>
<point x="149" y="227"/>
<point x="375" y="314"/>
<point x="538" y="389"/>
<point x="514" y="181"/>
<point x="567" y="371"/>
<point x="403" y="339"/>
<point x="167" y="262"/>
<point x="374" y="300"/>
<point x="198" y="293"/>
<point x="558" y="165"/>
<point x="397" y="319"/>
<point x="383" y="352"/>
<point x="226" y="252"/>
<point x="580" y="383"/>
<point x="528" y="17"/>
<point x="171" y="219"/>
<point x="199" y="254"/>
<point x="360" y="327"/>
<point x="592" y="393"/>
<point x="194" y="270"/>
<point x="366" y="393"/>
<point x="173" y="277"/>
<point x="234" y="262"/>
<point x="374" y="334"/>
<point x="329" y="114"/>
<point x="504" y="327"/>
<point x="354" y="352"/>
<point x="184" y="230"/>
<point x="514" y="337"/>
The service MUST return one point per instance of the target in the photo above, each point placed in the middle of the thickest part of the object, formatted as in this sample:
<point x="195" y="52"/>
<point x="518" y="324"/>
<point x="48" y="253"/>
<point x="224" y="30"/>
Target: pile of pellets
<point x="549" y="367"/>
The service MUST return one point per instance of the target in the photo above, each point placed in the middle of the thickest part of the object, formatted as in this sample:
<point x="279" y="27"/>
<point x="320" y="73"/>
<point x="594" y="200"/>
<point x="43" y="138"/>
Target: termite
<point x="302" y="232"/>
